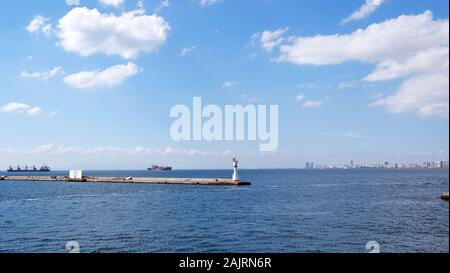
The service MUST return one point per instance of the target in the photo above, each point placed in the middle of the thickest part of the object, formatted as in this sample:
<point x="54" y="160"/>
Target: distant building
<point x="386" y="164"/>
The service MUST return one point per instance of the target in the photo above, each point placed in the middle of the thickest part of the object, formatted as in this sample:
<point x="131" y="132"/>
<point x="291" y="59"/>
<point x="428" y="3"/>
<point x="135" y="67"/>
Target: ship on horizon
<point x="44" y="168"/>
<point x="159" y="168"/>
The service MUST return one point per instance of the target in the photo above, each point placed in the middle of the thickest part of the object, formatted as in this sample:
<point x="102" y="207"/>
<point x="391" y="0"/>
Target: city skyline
<point x="381" y="165"/>
<point x="90" y="84"/>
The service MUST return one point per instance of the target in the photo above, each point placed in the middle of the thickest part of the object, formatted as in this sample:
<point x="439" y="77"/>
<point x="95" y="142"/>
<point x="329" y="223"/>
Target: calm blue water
<point x="283" y="211"/>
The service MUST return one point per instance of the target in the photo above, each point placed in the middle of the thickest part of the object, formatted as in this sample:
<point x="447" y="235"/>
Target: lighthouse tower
<point x="235" y="173"/>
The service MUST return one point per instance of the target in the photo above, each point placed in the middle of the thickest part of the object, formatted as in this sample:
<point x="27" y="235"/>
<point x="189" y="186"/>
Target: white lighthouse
<point x="235" y="173"/>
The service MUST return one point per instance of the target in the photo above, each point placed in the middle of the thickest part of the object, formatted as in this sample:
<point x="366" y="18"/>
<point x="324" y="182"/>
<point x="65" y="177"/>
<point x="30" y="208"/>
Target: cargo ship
<point x="44" y="168"/>
<point x="159" y="168"/>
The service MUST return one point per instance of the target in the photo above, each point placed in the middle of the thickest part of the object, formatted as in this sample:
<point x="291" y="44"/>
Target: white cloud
<point x="364" y="11"/>
<point x="376" y="103"/>
<point x="425" y="153"/>
<point x="249" y="98"/>
<point x="309" y="103"/>
<point x="431" y="60"/>
<point x="208" y="2"/>
<point x="351" y="135"/>
<point x="395" y="39"/>
<point x="88" y="31"/>
<point x="36" y="24"/>
<point x="73" y="2"/>
<point x="413" y="47"/>
<point x="163" y="4"/>
<point x="300" y="97"/>
<point x="269" y="39"/>
<point x="427" y="94"/>
<point x="14" y="107"/>
<point x="312" y="103"/>
<point x="109" y="77"/>
<point x="43" y="148"/>
<point x="308" y="85"/>
<point x="21" y="108"/>
<point x="114" y="3"/>
<point x="229" y="84"/>
<point x="45" y="75"/>
<point x="375" y="96"/>
<point x="34" y="111"/>
<point x="47" y="30"/>
<point x="425" y="89"/>
<point x="426" y="86"/>
<point x="40" y="24"/>
<point x="53" y="113"/>
<point x="185" y="51"/>
<point x="53" y="149"/>
<point x="344" y="85"/>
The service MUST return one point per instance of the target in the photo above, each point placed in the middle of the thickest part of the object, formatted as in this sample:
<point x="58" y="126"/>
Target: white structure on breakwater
<point x="75" y="174"/>
<point x="235" y="173"/>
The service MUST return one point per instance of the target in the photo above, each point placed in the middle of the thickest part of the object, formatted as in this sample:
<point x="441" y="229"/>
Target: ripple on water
<point x="283" y="210"/>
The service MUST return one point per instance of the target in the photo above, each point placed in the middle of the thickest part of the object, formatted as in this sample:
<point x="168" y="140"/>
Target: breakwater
<point x="144" y="180"/>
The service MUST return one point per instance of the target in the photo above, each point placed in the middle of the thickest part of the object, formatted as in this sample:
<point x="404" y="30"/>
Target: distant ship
<point x="159" y="168"/>
<point x="44" y="168"/>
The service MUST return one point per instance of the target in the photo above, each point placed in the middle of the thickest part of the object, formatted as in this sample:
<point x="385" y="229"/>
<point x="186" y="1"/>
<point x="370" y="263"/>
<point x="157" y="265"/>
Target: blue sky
<point x="91" y="84"/>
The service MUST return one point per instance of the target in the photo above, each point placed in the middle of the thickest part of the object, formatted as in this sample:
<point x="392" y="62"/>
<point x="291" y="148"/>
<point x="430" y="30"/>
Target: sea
<point x="286" y="210"/>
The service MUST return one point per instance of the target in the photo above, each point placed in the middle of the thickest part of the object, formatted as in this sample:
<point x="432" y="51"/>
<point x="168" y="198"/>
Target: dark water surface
<point x="282" y="211"/>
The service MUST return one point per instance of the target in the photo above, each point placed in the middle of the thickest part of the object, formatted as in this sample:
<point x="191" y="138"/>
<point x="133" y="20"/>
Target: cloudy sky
<point x="90" y="83"/>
